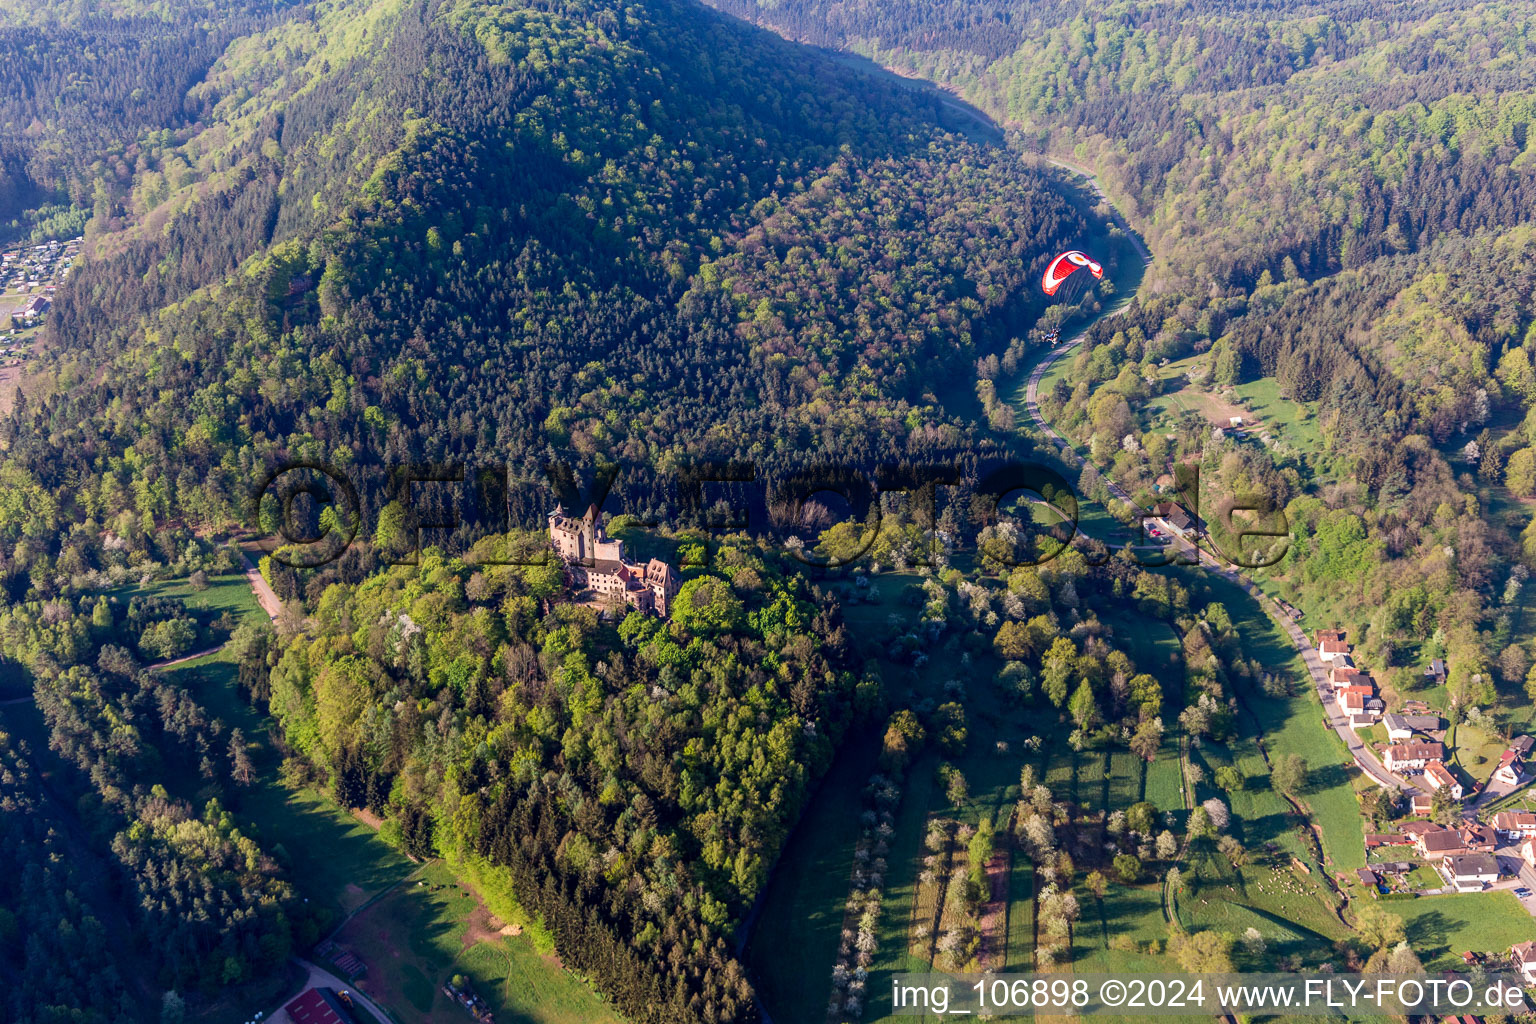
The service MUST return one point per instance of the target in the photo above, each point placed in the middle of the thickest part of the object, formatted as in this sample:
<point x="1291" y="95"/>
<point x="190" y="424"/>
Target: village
<point x="1439" y="845"/>
<point x="30" y="275"/>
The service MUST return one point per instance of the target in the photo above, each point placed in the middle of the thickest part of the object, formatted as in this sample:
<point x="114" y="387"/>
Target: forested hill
<point x="89" y="91"/>
<point x="501" y="232"/>
<point x="1245" y="136"/>
<point x="1339" y="197"/>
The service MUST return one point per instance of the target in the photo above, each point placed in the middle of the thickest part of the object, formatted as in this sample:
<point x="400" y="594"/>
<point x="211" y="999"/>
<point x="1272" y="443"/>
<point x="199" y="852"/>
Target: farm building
<point x="319" y="1006"/>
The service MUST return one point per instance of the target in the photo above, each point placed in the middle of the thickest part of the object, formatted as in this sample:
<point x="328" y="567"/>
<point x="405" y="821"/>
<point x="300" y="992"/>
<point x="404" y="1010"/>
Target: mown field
<point x="424" y="932"/>
<point x="1441" y="928"/>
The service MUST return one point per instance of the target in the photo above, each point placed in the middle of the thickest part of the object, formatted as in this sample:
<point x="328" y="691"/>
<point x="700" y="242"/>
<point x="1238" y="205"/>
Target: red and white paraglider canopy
<point x="1063" y="266"/>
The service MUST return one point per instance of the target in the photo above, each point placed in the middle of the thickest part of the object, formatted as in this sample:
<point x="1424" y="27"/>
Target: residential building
<point x="1470" y="872"/>
<point x="1524" y="957"/>
<point x="35" y="306"/>
<point x="1352" y="699"/>
<point x="1515" y="824"/>
<point x="1327" y="650"/>
<point x="1364" y="720"/>
<point x="1438" y="843"/>
<point x="1440" y="777"/>
<point x="1477" y="837"/>
<point x="1419" y="805"/>
<point x="1402" y="727"/>
<point x="1175" y="515"/>
<point x="1528" y="852"/>
<point x="1412" y="755"/>
<point x="1511" y="771"/>
<point x="1347" y="675"/>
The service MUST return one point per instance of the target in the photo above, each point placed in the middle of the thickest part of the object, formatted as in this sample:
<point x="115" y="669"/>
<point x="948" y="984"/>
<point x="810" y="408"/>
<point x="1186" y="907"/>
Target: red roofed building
<point x="1440" y="777"/>
<point x="1515" y="824"/>
<point x="1341" y="675"/>
<point x="1327" y="650"/>
<point x="1412" y="755"/>
<point x="1510" y="771"/>
<point x="1352" y="698"/>
<point x="319" y="1006"/>
<point x="1477" y="837"/>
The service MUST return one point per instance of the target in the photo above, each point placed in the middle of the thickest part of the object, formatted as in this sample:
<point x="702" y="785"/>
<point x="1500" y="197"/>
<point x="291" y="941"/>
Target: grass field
<point x="1477" y="750"/>
<point x="419" y="935"/>
<point x="226" y="593"/>
<point x="794" y="943"/>
<point x="1441" y="928"/>
<point x="1292" y="422"/>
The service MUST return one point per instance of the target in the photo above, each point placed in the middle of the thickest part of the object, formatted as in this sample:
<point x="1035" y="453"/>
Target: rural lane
<point x="1363" y="756"/>
<point x="265" y="595"/>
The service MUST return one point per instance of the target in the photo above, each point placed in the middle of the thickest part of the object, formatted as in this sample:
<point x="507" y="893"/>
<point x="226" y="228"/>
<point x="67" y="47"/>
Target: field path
<point x="265" y="595"/>
<point x="157" y="666"/>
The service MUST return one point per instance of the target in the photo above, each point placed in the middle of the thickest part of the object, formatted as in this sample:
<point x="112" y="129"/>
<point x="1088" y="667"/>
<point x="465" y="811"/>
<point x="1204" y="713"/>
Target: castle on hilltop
<point x="595" y="561"/>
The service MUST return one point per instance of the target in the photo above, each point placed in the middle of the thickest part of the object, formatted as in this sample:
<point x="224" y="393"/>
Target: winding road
<point x="1362" y="754"/>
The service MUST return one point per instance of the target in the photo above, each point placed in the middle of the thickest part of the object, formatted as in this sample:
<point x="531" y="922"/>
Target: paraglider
<point x="1064" y="266"/>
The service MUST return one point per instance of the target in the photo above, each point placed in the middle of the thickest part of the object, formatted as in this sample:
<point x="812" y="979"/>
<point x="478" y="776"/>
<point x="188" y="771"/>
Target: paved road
<point x="1114" y="212"/>
<point x="1492" y="792"/>
<point x="1364" y="757"/>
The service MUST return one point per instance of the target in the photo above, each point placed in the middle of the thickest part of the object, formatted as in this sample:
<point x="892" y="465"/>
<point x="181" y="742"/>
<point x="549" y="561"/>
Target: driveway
<point x="1495" y="790"/>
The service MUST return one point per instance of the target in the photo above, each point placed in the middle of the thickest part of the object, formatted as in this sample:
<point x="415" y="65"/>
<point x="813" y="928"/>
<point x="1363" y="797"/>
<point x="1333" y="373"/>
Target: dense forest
<point x="375" y="234"/>
<point x="92" y="95"/>
<point x="1338" y="197"/>
<point x="388" y="233"/>
<point x="648" y="235"/>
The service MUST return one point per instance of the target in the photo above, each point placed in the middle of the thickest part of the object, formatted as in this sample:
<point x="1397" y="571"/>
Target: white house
<point x="1470" y="872"/>
<point x="1515" y="824"/>
<point x="1440" y="777"/>
<point x="1327" y="650"/>
<point x="1524" y="956"/>
<point x="1412" y="755"/>
<point x="1510" y="770"/>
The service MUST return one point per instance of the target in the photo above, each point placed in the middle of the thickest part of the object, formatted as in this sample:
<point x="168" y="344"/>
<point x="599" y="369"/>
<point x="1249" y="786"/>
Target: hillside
<point x="374" y="233"/>
<point x="1338" y="197"/>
